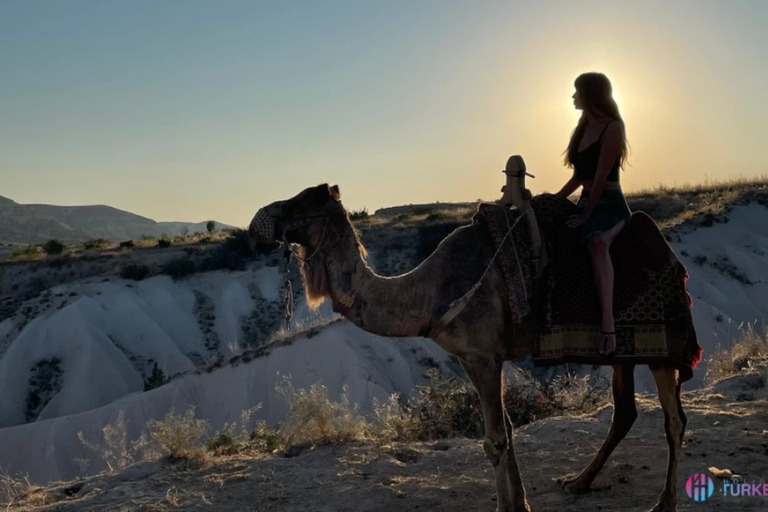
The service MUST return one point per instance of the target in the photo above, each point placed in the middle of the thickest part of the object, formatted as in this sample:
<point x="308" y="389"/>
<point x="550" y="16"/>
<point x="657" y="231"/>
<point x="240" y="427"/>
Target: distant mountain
<point x="38" y="223"/>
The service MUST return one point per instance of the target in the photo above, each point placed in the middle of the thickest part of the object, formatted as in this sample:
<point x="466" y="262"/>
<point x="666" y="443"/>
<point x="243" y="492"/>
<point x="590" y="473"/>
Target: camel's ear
<point x="335" y="193"/>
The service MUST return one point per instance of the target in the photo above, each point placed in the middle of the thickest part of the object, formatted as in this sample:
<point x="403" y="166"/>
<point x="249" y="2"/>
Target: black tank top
<point x="585" y="161"/>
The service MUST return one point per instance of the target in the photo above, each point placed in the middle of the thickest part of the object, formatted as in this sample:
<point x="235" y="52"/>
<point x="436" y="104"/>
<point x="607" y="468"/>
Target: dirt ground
<point x="453" y="475"/>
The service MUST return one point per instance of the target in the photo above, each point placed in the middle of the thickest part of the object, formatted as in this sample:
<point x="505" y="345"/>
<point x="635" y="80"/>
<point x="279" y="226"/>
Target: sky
<point x="190" y="110"/>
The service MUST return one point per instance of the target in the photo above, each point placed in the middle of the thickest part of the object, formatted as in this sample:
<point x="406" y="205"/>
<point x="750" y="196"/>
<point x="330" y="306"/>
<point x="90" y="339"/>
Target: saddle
<point x="549" y="275"/>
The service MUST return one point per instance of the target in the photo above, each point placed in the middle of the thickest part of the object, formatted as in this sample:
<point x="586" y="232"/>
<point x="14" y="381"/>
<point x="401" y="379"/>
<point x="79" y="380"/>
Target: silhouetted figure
<point x="596" y="151"/>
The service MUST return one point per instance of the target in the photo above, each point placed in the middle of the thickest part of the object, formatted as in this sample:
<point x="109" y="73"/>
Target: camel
<point x="482" y="336"/>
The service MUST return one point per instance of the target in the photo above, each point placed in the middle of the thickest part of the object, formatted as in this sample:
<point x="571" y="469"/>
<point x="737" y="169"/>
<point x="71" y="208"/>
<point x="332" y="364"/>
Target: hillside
<point x="37" y="223"/>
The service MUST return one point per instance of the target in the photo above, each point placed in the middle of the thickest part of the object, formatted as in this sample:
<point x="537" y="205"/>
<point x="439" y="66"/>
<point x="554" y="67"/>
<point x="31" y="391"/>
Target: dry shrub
<point x="29" y="252"/>
<point x="11" y="489"/>
<point x="234" y="437"/>
<point x="451" y="407"/>
<point x="113" y="447"/>
<point x="742" y="354"/>
<point x="315" y="419"/>
<point x="175" y="437"/>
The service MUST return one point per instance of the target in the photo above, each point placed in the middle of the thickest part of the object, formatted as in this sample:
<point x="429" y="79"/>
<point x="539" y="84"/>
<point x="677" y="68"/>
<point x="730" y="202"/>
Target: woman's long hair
<point x="596" y="93"/>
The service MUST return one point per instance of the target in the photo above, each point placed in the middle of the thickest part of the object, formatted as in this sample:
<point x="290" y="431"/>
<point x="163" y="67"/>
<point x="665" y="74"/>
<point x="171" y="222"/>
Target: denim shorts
<point x="611" y="210"/>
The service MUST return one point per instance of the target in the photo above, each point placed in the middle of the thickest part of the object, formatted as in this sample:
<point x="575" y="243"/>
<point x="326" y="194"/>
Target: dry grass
<point x="113" y="447"/>
<point x="314" y="419"/>
<point x="27" y="253"/>
<point x="671" y="206"/>
<point x="707" y="185"/>
<point x="235" y="437"/>
<point x="750" y="348"/>
<point x="447" y="408"/>
<point x="14" y="488"/>
<point x="175" y="437"/>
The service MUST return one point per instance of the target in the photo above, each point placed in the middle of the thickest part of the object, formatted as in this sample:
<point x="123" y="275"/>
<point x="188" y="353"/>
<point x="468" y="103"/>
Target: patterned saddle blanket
<point x="651" y="304"/>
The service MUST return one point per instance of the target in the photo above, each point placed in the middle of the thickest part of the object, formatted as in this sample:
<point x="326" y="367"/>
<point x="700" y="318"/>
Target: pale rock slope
<point x="369" y="366"/>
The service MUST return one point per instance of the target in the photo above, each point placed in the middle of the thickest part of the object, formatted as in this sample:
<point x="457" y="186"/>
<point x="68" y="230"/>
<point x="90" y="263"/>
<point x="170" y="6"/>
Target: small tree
<point x="210" y="226"/>
<point x="155" y="380"/>
<point x="359" y="214"/>
<point x="53" y="247"/>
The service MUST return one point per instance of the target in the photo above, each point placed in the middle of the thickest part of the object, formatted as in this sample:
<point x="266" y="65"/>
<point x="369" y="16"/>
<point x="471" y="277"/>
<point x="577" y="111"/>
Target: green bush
<point x="224" y="443"/>
<point x="358" y="214"/>
<point x="233" y="254"/>
<point x="265" y="438"/>
<point x="164" y="243"/>
<point x="179" y="268"/>
<point x="128" y="244"/>
<point x="96" y="243"/>
<point x="53" y="247"/>
<point x="402" y="217"/>
<point x="28" y="252"/>
<point x="135" y="272"/>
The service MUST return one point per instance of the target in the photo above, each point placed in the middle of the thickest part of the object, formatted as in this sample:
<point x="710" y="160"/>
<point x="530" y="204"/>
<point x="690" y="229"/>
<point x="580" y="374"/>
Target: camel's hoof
<point x="524" y="508"/>
<point x="664" y="507"/>
<point x="574" y="486"/>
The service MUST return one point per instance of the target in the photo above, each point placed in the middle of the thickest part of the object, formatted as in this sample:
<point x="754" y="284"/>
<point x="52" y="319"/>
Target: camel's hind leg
<point x="674" y="426"/>
<point x="624" y="415"/>
<point x="485" y="374"/>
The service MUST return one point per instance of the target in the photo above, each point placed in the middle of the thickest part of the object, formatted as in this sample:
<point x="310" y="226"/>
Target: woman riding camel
<point x="596" y="151"/>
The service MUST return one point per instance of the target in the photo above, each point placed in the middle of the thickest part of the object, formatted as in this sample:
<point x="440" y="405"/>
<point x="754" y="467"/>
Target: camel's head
<point x="301" y="219"/>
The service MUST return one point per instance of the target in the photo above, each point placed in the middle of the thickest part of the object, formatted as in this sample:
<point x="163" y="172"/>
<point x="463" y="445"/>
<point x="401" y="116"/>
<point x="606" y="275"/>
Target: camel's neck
<point x="388" y="306"/>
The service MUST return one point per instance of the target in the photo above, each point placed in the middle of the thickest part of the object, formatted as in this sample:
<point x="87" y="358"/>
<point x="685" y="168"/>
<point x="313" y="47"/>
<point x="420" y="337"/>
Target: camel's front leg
<point x="624" y="415"/>
<point x="674" y="427"/>
<point x="485" y="374"/>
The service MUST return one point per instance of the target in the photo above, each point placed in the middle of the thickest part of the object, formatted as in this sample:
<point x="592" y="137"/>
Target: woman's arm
<point x="569" y="188"/>
<point x="610" y="151"/>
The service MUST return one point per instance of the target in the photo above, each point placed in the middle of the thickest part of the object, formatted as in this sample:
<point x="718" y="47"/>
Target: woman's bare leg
<point x="599" y="248"/>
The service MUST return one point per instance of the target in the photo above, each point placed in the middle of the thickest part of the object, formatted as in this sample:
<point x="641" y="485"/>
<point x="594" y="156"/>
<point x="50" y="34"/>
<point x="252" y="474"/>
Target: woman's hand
<point x="575" y="221"/>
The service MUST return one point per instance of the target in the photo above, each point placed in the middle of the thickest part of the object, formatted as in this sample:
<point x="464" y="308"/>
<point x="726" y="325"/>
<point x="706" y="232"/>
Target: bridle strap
<point x="305" y="221"/>
<point x="295" y="252"/>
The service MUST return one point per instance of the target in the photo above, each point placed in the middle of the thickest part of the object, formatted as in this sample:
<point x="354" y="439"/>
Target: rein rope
<point x="289" y="251"/>
<point x="458" y="305"/>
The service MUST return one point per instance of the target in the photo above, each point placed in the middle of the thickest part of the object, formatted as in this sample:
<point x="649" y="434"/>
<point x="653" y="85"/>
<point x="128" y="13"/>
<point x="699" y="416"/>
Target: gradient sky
<point x="189" y="109"/>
